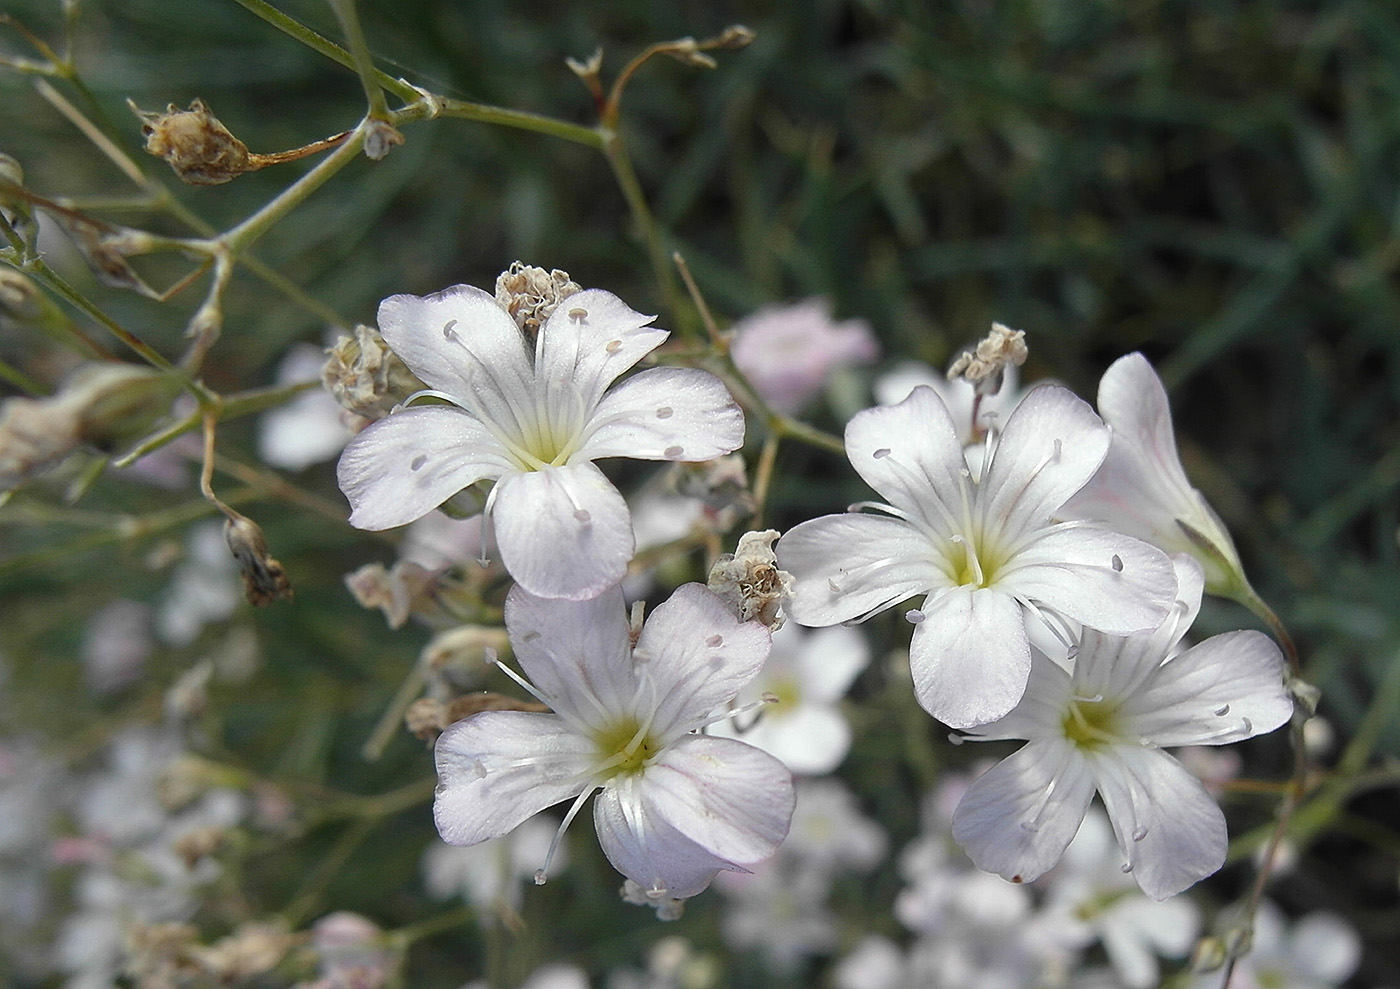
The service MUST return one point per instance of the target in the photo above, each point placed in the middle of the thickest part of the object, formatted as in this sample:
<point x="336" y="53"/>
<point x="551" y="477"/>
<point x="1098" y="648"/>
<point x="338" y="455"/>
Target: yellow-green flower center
<point x="1091" y="723"/>
<point x="624" y="747"/>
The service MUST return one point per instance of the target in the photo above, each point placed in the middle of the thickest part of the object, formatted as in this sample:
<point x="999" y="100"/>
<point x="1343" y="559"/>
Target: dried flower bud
<point x="666" y="907"/>
<point x="466" y="649"/>
<point x="157" y="954"/>
<point x="199" y="843"/>
<point x="105" y="405"/>
<point x="983" y="366"/>
<point x="198" y="147"/>
<point x="251" y="950"/>
<point x="722" y="485"/>
<point x="750" y="582"/>
<point x="734" y="36"/>
<point x="381" y="137"/>
<point x="16" y="210"/>
<point x="365" y="376"/>
<point x="264" y="580"/>
<point x="407" y="589"/>
<point x="427" y="718"/>
<point x="530" y="294"/>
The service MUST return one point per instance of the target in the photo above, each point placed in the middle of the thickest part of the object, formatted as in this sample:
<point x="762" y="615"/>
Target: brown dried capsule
<point x="200" y="149"/>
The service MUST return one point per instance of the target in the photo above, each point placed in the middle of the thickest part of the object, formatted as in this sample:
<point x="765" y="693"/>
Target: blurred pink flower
<point x="789" y="352"/>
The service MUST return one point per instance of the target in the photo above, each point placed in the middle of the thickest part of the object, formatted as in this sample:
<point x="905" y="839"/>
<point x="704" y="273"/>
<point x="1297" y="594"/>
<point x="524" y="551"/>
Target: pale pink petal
<point x="697" y="656"/>
<point x="911" y="455"/>
<point x="1226" y="688"/>
<point x="1052" y="444"/>
<point x="729" y="798"/>
<point x="665" y="413"/>
<point x="970" y="656"/>
<point x="1100" y="578"/>
<point x="575" y="653"/>
<point x="563" y="532"/>
<point x="848" y="566"/>
<point x="1018" y="817"/>
<point x="591" y="339"/>
<point x="401" y="468"/>
<point x="648" y="850"/>
<point x="457" y="341"/>
<point x="1167" y="826"/>
<point x="497" y="769"/>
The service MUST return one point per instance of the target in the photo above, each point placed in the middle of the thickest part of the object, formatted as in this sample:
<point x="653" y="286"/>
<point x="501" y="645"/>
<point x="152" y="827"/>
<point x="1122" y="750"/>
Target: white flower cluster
<point x="1055" y="528"/>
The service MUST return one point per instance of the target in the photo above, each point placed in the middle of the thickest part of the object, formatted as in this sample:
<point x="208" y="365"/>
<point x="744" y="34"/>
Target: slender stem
<point x="616" y="154"/>
<point x="763" y="476"/>
<point x="364" y="63"/>
<point x="484" y="113"/>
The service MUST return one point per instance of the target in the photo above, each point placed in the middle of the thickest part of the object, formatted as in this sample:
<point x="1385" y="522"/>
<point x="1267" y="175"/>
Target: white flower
<point x="789" y="352"/>
<point x="1318" y="951"/>
<point x="984" y="550"/>
<point x="1092" y="899"/>
<point x="311" y="427"/>
<point x="534" y="427"/>
<point x="1141" y="488"/>
<point x="971" y="418"/>
<point x="1102" y="727"/>
<point x="489" y="875"/>
<point x="808" y="673"/>
<point x="675" y="807"/>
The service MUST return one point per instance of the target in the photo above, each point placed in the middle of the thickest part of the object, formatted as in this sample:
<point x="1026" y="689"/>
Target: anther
<point x="672" y="452"/>
<point x="1139" y="833"/>
<point x="715" y="641"/>
<point x="665" y="412"/>
<point x="1126" y="868"/>
<point x="1248" y="726"/>
<point x="578" y="315"/>
<point x="881" y="453"/>
<point x="541" y="877"/>
<point x="832" y="586"/>
<point x="448" y="332"/>
<point x="1117" y="560"/>
<point x="418" y="462"/>
<point x="613" y="346"/>
<point x="583" y="516"/>
<point x="914" y="616"/>
<point x="1221" y="711"/>
<point x="954" y="739"/>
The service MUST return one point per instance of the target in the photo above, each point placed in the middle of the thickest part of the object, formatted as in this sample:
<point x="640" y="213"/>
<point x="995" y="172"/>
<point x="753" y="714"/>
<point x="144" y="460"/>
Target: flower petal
<point x="645" y="848"/>
<point x="729" y="798"/>
<point x="591" y="339"/>
<point x="911" y="455"/>
<point x="809" y="739"/>
<point x="666" y="413"/>
<point x="970" y="656"/>
<point x="848" y="566"/>
<point x="1052" y="444"/>
<point x="1167" y="826"/>
<point x="1018" y="817"/>
<point x="828" y="661"/>
<point x="1103" y="579"/>
<point x="401" y="468"/>
<point x="457" y="341"/>
<point x="499" y="768"/>
<point x="697" y="656"/>
<point x="1227" y="688"/>
<point x="577" y="654"/>
<point x="563" y="532"/>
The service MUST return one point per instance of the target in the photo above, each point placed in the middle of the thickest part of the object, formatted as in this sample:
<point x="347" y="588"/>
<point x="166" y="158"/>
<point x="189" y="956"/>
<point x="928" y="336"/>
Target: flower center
<point x="1091" y="722"/>
<point x="624" y="747"/>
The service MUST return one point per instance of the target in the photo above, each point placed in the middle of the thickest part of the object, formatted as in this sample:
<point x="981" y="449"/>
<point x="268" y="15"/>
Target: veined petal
<point x="402" y="467"/>
<point x="1041" y="711"/>
<point x="1227" y="688"/>
<point x="847" y="566"/>
<point x="697" y="656"/>
<point x="911" y="455"/>
<point x="457" y="341"/>
<point x="577" y="654"/>
<point x="1167" y="826"/>
<point x="1103" y="579"/>
<point x="970" y="656"/>
<point x="591" y="339"/>
<point x="646" y="849"/>
<point x="729" y="798"/>
<point x="1018" y="817"/>
<point x="1052" y="444"/>
<point x="497" y="769"/>
<point x="563" y="532"/>
<point x="665" y="413"/>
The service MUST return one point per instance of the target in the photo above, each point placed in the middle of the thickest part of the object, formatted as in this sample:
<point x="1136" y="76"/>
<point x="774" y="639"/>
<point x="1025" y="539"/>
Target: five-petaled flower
<point x="1102" y="727"/>
<point x="983" y="547"/>
<point x="534" y="426"/>
<point x="674" y="807"/>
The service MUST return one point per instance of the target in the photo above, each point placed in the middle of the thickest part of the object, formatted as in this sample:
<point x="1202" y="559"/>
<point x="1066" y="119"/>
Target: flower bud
<point x="365" y="376"/>
<point x="750" y="582"/>
<point x="200" y="149"/>
<point x="983" y="365"/>
<point x="264" y="580"/>
<point x="530" y="294"/>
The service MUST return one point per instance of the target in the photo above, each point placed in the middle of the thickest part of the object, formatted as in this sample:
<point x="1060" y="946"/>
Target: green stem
<point x="364" y="63"/>
<point x="484" y="113"/>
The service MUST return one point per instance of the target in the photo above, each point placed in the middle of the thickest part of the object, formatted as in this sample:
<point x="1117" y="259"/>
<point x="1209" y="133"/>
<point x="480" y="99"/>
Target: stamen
<point x="418" y="462"/>
<point x="1126" y="868"/>
<point x="542" y="875"/>
<point x="1139" y="833"/>
<point x="583" y="516"/>
<point x="579" y="316"/>
<point x="449" y="333"/>
<point x="914" y="616"/>
<point x="665" y="412"/>
<point x="715" y="641"/>
<point x="672" y="453"/>
<point x="1221" y="711"/>
<point x="1116" y="562"/>
<point x="613" y="347"/>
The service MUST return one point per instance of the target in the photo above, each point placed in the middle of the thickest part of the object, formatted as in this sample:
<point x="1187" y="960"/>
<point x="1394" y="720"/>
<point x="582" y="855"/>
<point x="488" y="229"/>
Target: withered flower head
<point x="200" y="149"/>
<point x="530" y="294"/>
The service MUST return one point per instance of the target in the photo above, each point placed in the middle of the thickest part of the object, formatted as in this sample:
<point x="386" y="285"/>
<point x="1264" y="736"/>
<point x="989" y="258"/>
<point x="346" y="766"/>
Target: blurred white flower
<point x="808" y="673"/>
<point x="1317" y="951"/>
<point x="116" y="642"/>
<point x="311" y="427"/>
<point x="491" y="875"/>
<point x="203" y="589"/>
<point x="789" y="352"/>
